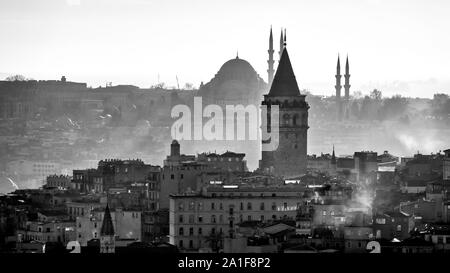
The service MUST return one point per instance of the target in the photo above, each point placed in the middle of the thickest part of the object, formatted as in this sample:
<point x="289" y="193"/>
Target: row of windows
<point x="200" y="231"/>
<point x="43" y="166"/>
<point x="222" y="159"/>
<point x="214" y="219"/>
<point x="242" y="206"/>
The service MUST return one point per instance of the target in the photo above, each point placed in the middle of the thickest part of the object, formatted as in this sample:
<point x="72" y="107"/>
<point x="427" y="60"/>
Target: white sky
<point x="132" y="41"/>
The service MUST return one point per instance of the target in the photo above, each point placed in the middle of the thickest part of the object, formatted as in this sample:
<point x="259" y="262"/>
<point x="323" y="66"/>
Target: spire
<point x="338" y="67"/>
<point x="338" y="88"/>
<point x="281" y="43"/>
<point x="284" y="44"/>
<point x="237" y="54"/>
<point x="333" y="157"/>
<point x="284" y="82"/>
<point x="347" y="80"/>
<point x="107" y="225"/>
<point x="347" y="70"/>
<point x="270" y="61"/>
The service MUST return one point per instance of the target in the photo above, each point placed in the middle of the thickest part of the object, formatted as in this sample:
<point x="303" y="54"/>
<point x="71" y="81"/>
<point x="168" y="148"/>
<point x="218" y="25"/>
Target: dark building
<point x="290" y="157"/>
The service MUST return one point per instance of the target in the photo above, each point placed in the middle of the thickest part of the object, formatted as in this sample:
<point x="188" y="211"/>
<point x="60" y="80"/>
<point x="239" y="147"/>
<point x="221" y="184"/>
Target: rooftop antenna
<point x="178" y="84"/>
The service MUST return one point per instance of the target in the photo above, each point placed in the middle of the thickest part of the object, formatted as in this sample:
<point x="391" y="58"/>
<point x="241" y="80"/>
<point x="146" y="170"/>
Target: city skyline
<point x="140" y="41"/>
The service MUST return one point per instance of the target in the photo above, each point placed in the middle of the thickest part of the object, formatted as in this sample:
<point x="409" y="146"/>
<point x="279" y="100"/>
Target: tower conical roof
<point x="284" y="82"/>
<point x="107" y="225"/>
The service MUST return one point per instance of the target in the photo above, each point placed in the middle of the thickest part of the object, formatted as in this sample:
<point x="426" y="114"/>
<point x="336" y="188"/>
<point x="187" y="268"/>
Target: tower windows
<point x="286" y="119"/>
<point x="295" y="120"/>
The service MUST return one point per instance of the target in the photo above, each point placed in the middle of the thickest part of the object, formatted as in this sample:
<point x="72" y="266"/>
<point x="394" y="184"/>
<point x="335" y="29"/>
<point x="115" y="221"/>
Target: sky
<point x="398" y="46"/>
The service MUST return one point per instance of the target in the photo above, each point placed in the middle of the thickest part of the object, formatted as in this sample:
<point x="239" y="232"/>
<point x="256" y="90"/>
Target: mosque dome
<point x="237" y="69"/>
<point x="236" y="81"/>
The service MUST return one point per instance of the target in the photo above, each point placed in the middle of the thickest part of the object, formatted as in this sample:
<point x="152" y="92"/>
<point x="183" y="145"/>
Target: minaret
<point x="107" y="239"/>
<point x="270" y="62"/>
<point x="281" y="44"/>
<point x="333" y="157"/>
<point x="338" y="87"/>
<point x="347" y="81"/>
<point x="333" y="163"/>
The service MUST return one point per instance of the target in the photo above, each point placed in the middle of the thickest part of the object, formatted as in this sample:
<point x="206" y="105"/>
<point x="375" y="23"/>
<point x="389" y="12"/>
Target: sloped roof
<point x="107" y="225"/>
<point x="284" y="82"/>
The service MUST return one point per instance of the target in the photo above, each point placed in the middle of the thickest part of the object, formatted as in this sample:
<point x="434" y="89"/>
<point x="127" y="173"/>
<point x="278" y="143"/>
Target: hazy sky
<point x="403" y="45"/>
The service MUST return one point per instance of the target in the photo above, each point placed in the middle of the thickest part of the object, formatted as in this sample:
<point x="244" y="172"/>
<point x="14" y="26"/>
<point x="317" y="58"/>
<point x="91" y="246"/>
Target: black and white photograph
<point x="224" y="134"/>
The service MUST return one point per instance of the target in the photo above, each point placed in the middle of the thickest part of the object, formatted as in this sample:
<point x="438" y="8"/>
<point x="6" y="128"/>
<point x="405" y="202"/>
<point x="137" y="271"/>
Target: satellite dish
<point x="74" y="247"/>
<point x="373" y="247"/>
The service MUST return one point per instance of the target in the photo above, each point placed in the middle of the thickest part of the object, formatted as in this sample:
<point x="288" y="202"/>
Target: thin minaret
<point x="338" y="87"/>
<point x="281" y="43"/>
<point x="347" y="80"/>
<point x="270" y="62"/>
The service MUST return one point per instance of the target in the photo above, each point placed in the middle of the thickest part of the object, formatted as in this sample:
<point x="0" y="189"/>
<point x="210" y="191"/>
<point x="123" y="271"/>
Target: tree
<point x="375" y="95"/>
<point x="16" y="78"/>
<point x="393" y="107"/>
<point x="440" y="105"/>
<point x="160" y="85"/>
<point x="188" y="86"/>
<point x="215" y="241"/>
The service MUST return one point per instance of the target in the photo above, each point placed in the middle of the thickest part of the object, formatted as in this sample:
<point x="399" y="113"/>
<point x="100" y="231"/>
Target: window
<point x="324" y="213"/>
<point x="213" y="219"/>
<point x="261" y="207"/>
<point x="191" y="205"/>
<point x="181" y="176"/>
<point x="200" y="206"/>
<point x="213" y="231"/>
<point x="221" y="206"/>
<point x="191" y="219"/>
<point x="399" y="227"/>
<point x="191" y="244"/>
<point x="262" y="218"/>
<point x="181" y="206"/>
<point x="213" y="206"/>
<point x="274" y="206"/>
<point x="180" y="219"/>
<point x="249" y="206"/>
<point x="172" y="176"/>
<point x="181" y="231"/>
<point x="285" y="206"/>
<point x="200" y="231"/>
<point x="242" y="206"/>
<point x="191" y="231"/>
<point x="200" y="219"/>
<point x="180" y="243"/>
<point x="249" y="218"/>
